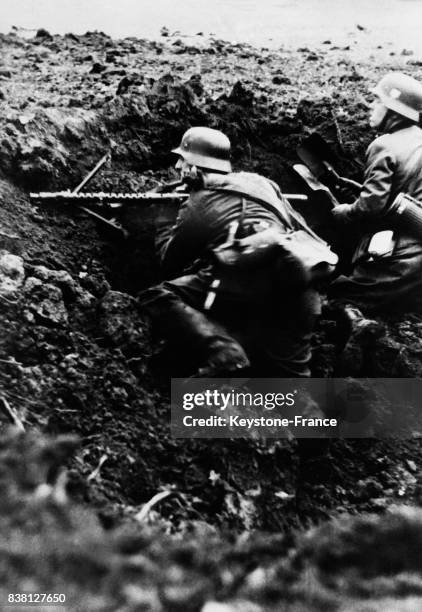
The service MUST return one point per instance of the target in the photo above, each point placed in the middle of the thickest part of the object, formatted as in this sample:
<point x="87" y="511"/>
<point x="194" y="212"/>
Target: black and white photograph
<point x="211" y="306"/>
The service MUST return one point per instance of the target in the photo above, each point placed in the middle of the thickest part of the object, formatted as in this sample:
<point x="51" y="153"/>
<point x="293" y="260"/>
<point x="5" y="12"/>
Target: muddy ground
<point x="77" y="358"/>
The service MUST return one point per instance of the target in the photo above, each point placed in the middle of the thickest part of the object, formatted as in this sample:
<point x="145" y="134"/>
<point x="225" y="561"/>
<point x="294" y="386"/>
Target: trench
<point x="85" y="352"/>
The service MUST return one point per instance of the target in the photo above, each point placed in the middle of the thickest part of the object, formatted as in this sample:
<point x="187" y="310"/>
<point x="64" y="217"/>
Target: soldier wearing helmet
<point x="226" y="328"/>
<point x="204" y="148"/>
<point x="393" y="280"/>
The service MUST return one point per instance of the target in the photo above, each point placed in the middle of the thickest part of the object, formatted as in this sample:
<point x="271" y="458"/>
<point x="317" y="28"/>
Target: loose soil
<point x="77" y="359"/>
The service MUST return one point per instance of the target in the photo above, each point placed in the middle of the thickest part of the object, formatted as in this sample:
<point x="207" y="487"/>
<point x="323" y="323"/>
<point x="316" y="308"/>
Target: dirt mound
<point x="38" y="149"/>
<point x="50" y="544"/>
<point x="76" y="358"/>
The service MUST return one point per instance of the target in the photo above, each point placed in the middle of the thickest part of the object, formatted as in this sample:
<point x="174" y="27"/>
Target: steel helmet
<point x="205" y="148"/>
<point x="401" y="94"/>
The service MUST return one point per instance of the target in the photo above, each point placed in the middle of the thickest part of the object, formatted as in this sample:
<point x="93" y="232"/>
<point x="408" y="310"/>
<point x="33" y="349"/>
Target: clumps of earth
<point x="98" y="500"/>
<point x="49" y="544"/>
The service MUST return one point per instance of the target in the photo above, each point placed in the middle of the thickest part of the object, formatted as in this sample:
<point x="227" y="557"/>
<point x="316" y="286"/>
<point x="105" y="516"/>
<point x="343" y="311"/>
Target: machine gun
<point x="102" y="198"/>
<point x="112" y="204"/>
<point x="121" y="210"/>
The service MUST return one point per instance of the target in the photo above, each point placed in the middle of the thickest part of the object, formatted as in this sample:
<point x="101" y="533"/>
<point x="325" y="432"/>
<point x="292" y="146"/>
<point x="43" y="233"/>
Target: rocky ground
<point x="76" y="355"/>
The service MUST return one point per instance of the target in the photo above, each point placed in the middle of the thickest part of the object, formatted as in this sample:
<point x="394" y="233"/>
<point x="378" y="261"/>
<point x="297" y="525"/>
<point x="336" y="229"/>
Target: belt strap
<point x="273" y="208"/>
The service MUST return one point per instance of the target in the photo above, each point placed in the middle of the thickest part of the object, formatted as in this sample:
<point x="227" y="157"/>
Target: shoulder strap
<point x="275" y="209"/>
<point x="242" y="214"/>
<point x="235" y="227"/>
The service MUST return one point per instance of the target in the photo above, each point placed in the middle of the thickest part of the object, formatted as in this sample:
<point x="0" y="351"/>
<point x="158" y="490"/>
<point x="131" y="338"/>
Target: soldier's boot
<point x="223" y="355"/>
<point x="353" y="325"/>
<point x="191" y="330"/>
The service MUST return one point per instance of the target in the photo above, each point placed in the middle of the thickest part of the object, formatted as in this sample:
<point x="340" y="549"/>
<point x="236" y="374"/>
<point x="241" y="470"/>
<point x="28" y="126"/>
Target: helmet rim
<point x="203" y="161"/>
<point x="400" y="93"/>
<point x="395" y="105"/>
<point x="206" y="148"/>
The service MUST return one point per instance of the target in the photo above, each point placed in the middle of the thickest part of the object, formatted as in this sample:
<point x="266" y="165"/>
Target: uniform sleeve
<point x="376" y="190"/>
<point x="180" y="244"/>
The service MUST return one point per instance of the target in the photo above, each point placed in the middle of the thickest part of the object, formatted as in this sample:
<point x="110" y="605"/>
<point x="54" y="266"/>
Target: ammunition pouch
<point x="407" y="214"/>
<point x="250" y="253"/>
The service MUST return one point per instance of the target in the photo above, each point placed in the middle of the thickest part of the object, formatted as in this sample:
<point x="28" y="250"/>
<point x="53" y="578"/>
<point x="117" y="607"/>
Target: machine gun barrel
<point x="102" y="197"/>
<point x="119" y="203"/>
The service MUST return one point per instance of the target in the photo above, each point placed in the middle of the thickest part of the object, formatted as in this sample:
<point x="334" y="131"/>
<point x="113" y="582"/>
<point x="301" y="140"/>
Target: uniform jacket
<point x="276" y="333"/>
<point x="204" y="219"/>
<point x="394" y="165"/>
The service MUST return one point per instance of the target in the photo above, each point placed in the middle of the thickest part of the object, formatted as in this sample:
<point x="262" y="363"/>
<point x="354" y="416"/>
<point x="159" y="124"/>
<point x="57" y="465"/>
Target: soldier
<point x="263" y="317"/>
<point x="391" y="277"/>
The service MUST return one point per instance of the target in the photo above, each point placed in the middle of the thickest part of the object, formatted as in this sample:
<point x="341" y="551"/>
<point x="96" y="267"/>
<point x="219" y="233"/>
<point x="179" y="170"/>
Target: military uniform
<point x="392" y="282"/>
<point x="273" y="332"/>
